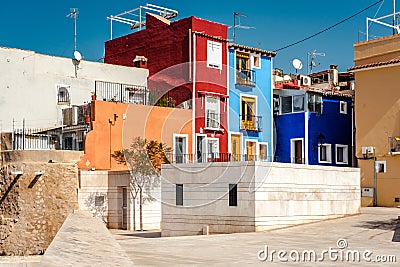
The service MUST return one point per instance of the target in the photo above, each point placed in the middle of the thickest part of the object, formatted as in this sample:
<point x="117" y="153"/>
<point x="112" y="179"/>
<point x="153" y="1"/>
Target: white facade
<point x="269" y="195"/>
<point x="29" y="84"/>
<point x="111" y="186"/>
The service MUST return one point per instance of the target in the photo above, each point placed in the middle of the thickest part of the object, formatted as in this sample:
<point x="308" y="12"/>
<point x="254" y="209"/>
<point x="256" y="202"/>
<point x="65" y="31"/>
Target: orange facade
<point x="115" y="125"/>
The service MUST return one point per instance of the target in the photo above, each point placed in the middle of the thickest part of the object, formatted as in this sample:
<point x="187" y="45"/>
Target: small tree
<point x="144" y="159"/>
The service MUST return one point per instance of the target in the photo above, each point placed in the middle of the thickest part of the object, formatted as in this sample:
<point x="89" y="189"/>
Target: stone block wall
<point x="35" y="199"/>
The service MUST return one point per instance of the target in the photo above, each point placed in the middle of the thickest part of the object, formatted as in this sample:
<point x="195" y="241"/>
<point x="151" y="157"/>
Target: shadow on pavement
<point x="392" y="224"/>
<point x="143" y="234"/>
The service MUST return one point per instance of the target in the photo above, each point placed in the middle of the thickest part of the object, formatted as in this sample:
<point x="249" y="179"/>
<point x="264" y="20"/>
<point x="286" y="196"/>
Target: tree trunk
<point x="141" y="209"/>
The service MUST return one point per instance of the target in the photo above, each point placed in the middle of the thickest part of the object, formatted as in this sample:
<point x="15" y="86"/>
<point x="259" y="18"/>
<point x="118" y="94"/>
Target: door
<point x="124" y="208"/>
<point x="248" y="113"/>
<point x="251" y="150"/>
<point x="201" y="148"/>
<point x="298" y="151"/>
<point x="235" y="147"/>
<point x="180" y="149"/>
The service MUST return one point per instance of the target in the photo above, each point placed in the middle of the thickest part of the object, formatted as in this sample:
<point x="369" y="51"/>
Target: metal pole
<point x="234" y="26"/>
<point x="394" y="16"/>
<point x="140" y="18"/>
<point x="23" y="134"/>
<point x="367" y="29"/>
<point x="75" y="30"/>
<point x="111" y="32"/>
<point x="375" y="200"/>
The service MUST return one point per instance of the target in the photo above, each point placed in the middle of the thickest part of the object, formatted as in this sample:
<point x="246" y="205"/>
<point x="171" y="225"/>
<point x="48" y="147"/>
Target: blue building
<point x="250" y="100"/>
<point x="314" y="127"/>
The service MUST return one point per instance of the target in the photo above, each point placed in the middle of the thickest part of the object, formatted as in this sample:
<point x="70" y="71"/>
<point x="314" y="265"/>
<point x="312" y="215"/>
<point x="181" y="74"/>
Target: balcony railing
<point x="213" y="120"/>
<point x="118" y="92"/>
<point x="394" y="143"/>
<point x="246" y="77"/>
<point x="215" y="157"/>
<point x="251" y="123"/>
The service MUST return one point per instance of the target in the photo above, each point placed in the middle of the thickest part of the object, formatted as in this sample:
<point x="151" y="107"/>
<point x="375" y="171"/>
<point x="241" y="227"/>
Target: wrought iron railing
<point x="119" y="92"/>
<point x="246" y="77"/>
<point x="251" y="123"/>
<point x="215" y="157"/>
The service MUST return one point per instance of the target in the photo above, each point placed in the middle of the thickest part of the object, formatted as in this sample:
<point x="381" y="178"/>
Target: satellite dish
<point x="297" y="64"/>
<point x="77" y="56"/>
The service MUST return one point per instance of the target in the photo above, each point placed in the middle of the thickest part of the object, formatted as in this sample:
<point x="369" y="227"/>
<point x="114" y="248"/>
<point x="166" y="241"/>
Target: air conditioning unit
<point x="367" y="150"/>
<point x="371" y="150"/>
<point x="367" y="192"/>
<point x="305" y="80"/>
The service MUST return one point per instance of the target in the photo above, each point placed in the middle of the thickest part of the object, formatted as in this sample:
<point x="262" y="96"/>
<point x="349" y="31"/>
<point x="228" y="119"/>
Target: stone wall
<point x="35" y="199"/>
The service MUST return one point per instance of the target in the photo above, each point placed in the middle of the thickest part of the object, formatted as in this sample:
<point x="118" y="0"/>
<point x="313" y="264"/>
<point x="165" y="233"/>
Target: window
<point x="314" y="103"/>
<point x="63" y="97"/>
<point x="214" y="55"/>
<point x="256" y="61"/>
<point x="213" y="148"/>
<point x="343" y="107"/>
<point x="232" y="194"/>
<point x="251" y="150"/>
<point x="179" y="194"/>
<point x="99" y="201"/>
<point x="292" y="104"/>
<point x="212" y="113"/>
<point x="263" y="151"/>
<point x="325" y="153"/>
<point x="380" y="166"/>
<point x="342" y="154"/>
<point x="249" y="120"/>
<point x="244" y="75"/>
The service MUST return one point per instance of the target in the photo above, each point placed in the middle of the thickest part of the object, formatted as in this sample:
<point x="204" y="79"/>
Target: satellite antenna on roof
<point x="297" y="64"/>
<point x="77" y="56"/>
<point x="236" y="18"/>
<point x="74" y="13"/>
<point x="393" y="24"/>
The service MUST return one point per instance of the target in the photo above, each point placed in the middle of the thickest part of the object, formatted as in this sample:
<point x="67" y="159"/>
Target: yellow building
<point x="377" y="119"/>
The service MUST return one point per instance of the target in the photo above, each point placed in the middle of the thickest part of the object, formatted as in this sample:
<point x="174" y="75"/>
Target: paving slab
<point x="371" y="231"/>
<point x="84" y="241"/>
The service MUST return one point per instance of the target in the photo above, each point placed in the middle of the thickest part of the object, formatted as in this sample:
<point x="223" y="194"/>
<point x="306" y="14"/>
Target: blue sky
<point x="42" y="26"/>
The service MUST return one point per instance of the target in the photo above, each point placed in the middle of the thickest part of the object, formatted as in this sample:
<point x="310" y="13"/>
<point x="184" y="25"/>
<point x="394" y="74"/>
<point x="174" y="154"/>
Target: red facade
<point x="177" y="55"/>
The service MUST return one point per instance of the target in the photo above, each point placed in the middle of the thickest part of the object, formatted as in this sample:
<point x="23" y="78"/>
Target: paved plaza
<point x="372" y="230"/>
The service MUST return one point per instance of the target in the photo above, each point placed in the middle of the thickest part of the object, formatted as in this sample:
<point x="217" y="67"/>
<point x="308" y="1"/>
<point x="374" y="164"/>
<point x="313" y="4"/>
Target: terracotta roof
<point x="326" y="92"/>
<point x="217" y="38"/>
<point x="252" y="49"/>
<point x="375" y="64"/>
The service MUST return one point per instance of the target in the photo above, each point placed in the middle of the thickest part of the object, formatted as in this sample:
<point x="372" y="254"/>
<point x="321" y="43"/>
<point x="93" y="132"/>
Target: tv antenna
<point x="312" y="55"/>
<point x="394" y="25"/>
<point x="236" y="24"/>
<point x="74" y="13"/>
<point x="297" y="64"/>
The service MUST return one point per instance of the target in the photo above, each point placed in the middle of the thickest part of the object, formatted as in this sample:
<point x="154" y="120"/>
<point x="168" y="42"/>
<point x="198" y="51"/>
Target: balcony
<point x="251" y="123"/>
<point x="394" y="143"/>
<point x="212" y="120"/>
<point x="246" y="77"/>
<point x="118" y="92"/>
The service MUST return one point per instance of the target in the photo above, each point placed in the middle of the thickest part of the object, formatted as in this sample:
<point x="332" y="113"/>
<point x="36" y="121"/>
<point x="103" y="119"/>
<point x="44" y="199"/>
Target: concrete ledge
<point x="84" y="241"/>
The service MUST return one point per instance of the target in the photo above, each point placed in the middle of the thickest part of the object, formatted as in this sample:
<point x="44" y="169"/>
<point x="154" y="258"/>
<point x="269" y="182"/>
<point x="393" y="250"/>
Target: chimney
<point x="333" y="67"/>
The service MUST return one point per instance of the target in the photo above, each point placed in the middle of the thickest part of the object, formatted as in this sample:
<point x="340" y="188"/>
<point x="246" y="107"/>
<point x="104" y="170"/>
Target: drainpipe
<point x="375" y="200"/>
<point x="194" y="95"/>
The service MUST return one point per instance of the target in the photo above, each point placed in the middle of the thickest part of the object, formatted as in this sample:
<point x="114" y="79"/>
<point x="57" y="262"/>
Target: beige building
<point x="377" y="119"/>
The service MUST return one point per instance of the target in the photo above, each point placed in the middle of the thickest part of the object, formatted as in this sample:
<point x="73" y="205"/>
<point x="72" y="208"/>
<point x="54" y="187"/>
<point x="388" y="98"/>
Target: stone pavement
<point x="372" y="230"/>
<point x="84" y="241"/>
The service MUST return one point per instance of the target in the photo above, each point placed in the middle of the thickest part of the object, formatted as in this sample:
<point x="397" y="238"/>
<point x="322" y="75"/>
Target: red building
<point x="187" y="61"/>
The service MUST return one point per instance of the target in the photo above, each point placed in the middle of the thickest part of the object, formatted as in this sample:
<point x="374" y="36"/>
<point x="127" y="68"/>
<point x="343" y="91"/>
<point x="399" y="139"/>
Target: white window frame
<point x="255" y="105"/>
<point x="186" y="136"/>
<point x="377" y="163"/>
<point x="345" y="154"/>
<point x="344" y="103"/>
<point x="252" y="61"/>
<point x="211" y="53"/>
<point x="266" y="144"/>
<point x="292" y="149"/>
<point x="328" y="153"/>
<point x="218" y="111"/>
<point x="67" y="87"/>
<point x="208" y="139"/>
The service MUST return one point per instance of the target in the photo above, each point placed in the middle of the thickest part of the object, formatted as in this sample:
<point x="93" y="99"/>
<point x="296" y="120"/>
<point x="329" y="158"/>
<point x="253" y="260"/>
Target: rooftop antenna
<point x="74" y="13"/>
<point x="236" y="18"/>
<point x="394" y="25"/>
<point x="312" y="55"/>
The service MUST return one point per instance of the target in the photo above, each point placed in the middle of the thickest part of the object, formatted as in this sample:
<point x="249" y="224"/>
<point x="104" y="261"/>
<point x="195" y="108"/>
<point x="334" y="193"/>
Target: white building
<point x="233" y="197"/>
<point x="37" y="87"/>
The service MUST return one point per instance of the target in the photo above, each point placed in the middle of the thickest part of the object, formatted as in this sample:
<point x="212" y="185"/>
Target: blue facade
<point x="256" y="85"/>
<point x="326" y="135"/>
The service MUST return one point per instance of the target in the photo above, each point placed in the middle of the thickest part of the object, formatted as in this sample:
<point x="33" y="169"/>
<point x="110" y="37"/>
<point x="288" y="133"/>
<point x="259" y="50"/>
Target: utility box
<point x="367" y="192"/>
